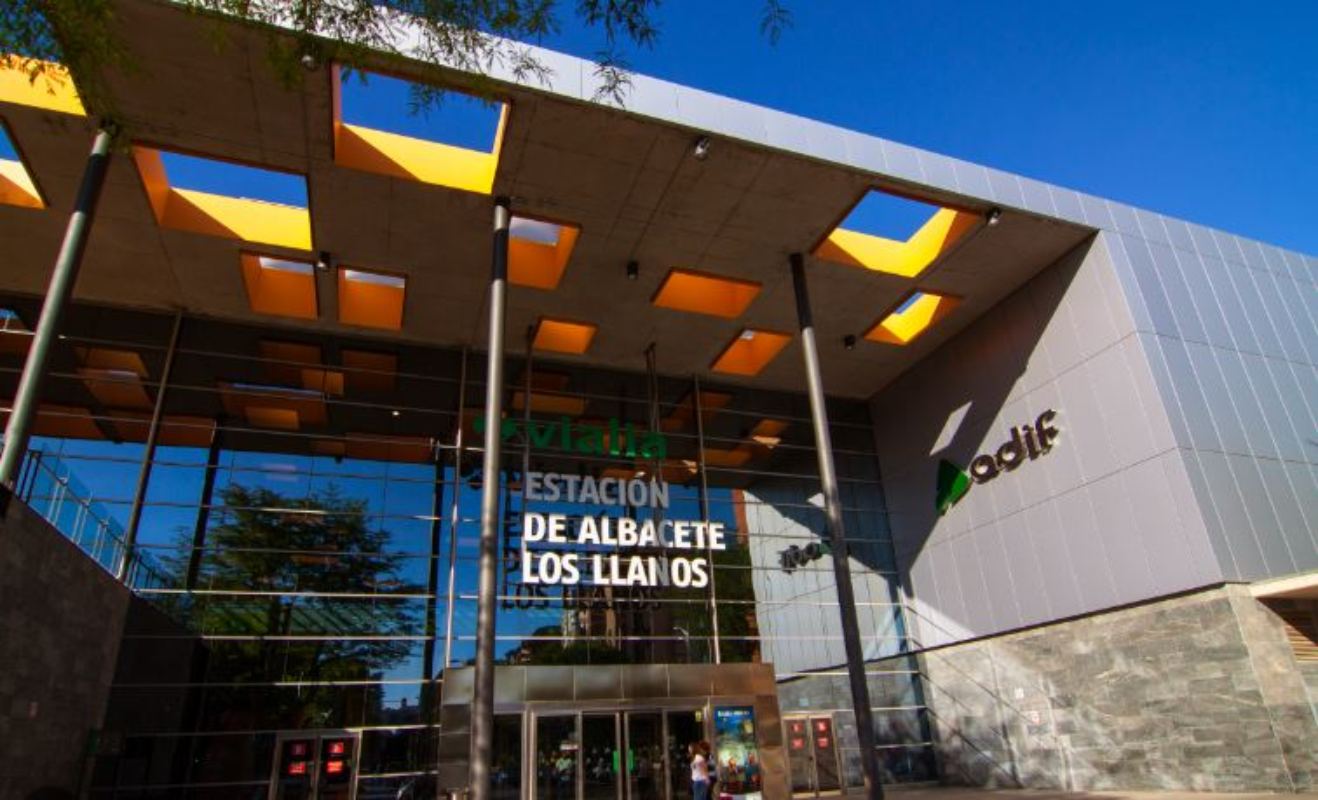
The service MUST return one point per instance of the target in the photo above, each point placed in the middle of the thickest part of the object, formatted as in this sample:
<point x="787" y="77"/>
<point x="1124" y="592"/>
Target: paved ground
<point x="958" y="793"/>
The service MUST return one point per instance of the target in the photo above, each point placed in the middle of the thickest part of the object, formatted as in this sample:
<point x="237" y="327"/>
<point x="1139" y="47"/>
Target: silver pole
<point x="846" y="597"/>
<point x="149" y="454"/>
<point x="716" y="651"/>
<point x="19" y="428"/>
<point x="482" y="715"/>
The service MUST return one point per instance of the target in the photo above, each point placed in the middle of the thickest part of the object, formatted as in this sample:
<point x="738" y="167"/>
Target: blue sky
<point x="1207" y="111"/>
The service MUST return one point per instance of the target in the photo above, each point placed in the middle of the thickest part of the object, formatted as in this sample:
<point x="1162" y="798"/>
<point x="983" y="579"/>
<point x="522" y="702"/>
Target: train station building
<point x="354" y="453"/>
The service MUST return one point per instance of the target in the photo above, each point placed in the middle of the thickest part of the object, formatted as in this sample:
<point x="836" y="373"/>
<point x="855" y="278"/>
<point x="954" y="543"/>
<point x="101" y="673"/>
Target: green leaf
<point x="953" y="483"/>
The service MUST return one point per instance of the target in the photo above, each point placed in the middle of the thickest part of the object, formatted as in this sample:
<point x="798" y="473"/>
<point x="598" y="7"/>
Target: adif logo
<point x="1027" y="443"/>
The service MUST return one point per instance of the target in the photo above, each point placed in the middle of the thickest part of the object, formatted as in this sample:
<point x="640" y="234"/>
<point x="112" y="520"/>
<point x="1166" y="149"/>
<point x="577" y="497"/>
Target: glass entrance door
<point x="600" y="757"/>
<point x="610" y="755"/>
<point x="556" y="754"/>
<point x="646" y="772"/>
<point x="684" y="729"/>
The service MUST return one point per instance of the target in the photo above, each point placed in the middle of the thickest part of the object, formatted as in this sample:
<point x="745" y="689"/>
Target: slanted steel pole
<point x="19" y="428"/>
<point x="846" y="596"/>
<point x="482" y="712"/>
<point x="148" y="454"/>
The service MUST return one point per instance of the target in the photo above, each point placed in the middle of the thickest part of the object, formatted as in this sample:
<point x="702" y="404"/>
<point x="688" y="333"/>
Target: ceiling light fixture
<point x="324" y="261"/>
<point x="993" y="217"/>
<point x="849" y="341"/>
<point x="701" y="150"/>
<point x="633" y="270"/>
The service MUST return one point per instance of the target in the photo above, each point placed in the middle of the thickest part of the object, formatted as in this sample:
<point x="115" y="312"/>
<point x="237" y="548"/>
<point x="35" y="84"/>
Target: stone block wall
<point x="1199" y="691"/>
<point x="61" y="617"/>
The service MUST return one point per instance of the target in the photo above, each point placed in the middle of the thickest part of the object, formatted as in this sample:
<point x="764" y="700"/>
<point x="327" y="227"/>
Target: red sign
<point x="297" y="768"/>
<point x="335" y="748"/>
<point x="298" y="749"/>
<point x="333" y="767"/>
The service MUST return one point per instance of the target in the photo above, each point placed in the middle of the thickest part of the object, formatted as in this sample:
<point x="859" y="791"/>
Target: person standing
<point x="699" y="772"/>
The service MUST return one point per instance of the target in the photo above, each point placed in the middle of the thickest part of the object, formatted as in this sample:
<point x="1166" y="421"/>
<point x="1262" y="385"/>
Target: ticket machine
<point x="315" y="765"/>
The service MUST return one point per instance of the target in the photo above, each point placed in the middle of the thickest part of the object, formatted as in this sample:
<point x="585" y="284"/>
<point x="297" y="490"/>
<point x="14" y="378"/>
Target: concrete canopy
<point x="627" y="179"/>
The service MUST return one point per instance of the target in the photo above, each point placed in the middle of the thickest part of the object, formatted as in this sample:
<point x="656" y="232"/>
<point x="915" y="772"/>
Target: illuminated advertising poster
<point x="735" y="752"/>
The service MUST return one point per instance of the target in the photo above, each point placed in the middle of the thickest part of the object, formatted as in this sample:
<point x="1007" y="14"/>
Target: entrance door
<point x="600" y="757"/>
<point x="812" y="755"/>
<point x="646" y="774"/>
<point x="556" y="754"/>
<point x="684" y="729"/>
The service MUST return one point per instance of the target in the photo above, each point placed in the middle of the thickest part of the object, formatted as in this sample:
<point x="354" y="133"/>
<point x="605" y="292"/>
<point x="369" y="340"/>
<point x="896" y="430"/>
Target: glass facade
<point x="306" y="545"/>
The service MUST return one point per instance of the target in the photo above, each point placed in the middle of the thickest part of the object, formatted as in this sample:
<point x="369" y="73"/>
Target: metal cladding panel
<point x="1105" y="517"/>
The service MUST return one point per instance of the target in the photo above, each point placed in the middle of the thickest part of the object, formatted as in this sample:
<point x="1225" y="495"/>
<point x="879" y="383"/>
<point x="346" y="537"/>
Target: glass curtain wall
<point x="308" y="510"/>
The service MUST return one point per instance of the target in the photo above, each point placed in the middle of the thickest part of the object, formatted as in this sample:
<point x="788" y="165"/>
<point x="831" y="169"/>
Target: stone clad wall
<point x="1199" y="691"/>
<point x="61" y="617"/>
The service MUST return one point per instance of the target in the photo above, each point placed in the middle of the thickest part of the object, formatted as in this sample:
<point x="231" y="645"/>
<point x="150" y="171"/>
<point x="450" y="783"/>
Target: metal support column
<point x="846" y="598"/>
<point x="19" y="428"/>
<point x="148" y="453"/>
<point x="204" y="506"/>
<point x="482" y="713"/>
<point x="716" y="649"/>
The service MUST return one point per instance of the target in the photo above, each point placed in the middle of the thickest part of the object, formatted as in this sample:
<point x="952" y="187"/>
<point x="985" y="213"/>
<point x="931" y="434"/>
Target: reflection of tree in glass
<point x="558" y="652"/>
<point x="318" y="544"/>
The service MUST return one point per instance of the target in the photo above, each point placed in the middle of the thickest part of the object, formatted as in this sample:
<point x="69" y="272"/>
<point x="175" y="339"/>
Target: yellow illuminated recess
<point x="398" y="156"/>
<point x="52" y="89"/>
<point x="912" y="317"/>
<point x="702" y="293"/>
<point x="280" y="286"/>
<point x="538" y="251"/>
<point x="563" y="336"/>
<point x="908" y="258"/>
<point x="371" y="299"/>
<point x="220" y="215"/>
<point x="750" y="352"/>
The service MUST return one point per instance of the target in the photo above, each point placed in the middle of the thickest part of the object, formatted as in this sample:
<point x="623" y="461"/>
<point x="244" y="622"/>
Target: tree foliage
<point x="474" y="36"/>
<point x="290" y="562"/>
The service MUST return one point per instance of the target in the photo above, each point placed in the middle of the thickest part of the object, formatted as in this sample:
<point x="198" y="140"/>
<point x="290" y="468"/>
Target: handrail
<point x="50" y="489"/>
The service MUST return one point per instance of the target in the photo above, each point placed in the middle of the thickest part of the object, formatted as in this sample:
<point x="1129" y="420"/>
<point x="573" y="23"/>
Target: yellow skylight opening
<point x="912" y="317"/>
<point x="750" y="352"/>
<point x="538" y="251"/>
<point x="905" y="257"/>
<point x="230" y="217"/>
<point x="53" y="89"/>
<point x="371" y="299"/>
<point x="702" y="293"/>
<point x="397" y="155"/>
<point x="563" y="336"/>
<point x="280" y="287"/>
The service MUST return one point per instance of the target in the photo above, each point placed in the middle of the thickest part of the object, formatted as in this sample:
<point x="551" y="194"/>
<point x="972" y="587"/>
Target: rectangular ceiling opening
<point x="281" y="287"/>
<point x="750" y="352"/>
<point x="17" y="187"/>
<point x="563" y="336"/>
<point x="371" y="299"/>
<point x="538" y="251"/>
<point x="889" y="233"/>
<point x="395" y="127"/>
<point x="913" y="316"/>
<point x="53" y="89"/>
<point x="702" y="293"/>
<point x="221" y="198"/>
<point x="888" y="215"/>
<point x="15" y="336"/>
